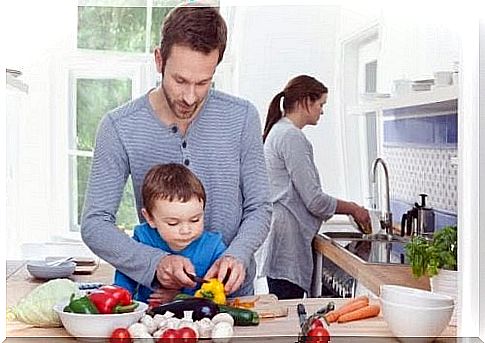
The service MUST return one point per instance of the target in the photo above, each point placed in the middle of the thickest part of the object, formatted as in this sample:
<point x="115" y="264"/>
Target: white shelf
<point x="16" y="83"/>
<point x="413" y="99"/>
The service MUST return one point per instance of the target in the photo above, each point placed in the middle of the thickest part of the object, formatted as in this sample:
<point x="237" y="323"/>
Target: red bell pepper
<point x="119" y="293"/>
<point x="107" y="303"/>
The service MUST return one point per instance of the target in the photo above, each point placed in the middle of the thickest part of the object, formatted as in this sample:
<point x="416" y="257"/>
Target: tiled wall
<point x="414" y="170"/>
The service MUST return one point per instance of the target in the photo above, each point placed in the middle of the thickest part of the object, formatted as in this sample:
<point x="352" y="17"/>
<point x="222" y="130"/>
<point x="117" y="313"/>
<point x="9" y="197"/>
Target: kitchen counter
<point x="369" y="275"/>
<point x="283" y="329"/>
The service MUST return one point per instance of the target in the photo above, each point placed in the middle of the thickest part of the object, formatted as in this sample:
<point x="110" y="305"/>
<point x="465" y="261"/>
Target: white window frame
<point x="140" y="68"/>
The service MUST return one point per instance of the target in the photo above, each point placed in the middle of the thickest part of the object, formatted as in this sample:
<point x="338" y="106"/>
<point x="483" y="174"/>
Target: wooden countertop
<point x="20" y="283"/>
<point x="370" y="275"/>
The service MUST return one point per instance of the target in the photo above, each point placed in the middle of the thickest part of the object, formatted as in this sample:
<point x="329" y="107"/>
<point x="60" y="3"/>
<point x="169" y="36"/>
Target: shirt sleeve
<point x="297" y="153"/>
<point x="109" y="172"/>
<point x="254" y="185"/>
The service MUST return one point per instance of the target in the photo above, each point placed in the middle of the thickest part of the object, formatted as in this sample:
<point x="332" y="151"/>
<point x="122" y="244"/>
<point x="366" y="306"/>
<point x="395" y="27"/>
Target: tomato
<point x="318" y="335"/>
<point x="187" y="335"/>
<point x="120" y="335"/>
<point x="169" y="336"/>
<point x="316" y="323"/>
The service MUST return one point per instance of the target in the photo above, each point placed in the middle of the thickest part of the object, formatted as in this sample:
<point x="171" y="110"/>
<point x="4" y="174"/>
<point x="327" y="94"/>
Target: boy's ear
<point x="147" y="217"/>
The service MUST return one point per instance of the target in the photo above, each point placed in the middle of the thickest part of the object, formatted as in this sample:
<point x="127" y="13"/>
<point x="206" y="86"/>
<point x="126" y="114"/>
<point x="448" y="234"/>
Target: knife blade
<point x="196" y="278"/>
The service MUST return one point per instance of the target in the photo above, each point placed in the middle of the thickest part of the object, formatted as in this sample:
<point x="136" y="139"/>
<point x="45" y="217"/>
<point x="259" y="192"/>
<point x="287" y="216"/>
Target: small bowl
<point x="416" y="321"/>
<point x="41" y="270"/>
<point x="97" y="325"/>
<point x="414" y="297"/>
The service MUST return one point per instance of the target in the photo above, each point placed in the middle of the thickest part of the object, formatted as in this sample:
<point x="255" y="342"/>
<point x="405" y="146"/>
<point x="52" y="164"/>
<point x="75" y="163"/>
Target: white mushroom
<point x="157" y="334"/>
<point x="172" y="323"/>
<point x="138" y="330"/>
<point x="168" y="314"/>
<point x="160" y="321"/>
<point x="223" y="317"/>
<point x="149" y="323"/>
<point x="147" y="338"/>
<point x="222" y="332"/>
<point x="204" y="326"/>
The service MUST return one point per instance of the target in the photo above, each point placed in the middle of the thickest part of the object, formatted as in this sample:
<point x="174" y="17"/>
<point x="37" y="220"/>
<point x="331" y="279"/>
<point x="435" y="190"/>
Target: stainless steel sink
<point x="380" y="248"/>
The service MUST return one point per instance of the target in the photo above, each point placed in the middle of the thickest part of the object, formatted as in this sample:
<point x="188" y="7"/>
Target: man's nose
<point x="189" y="95"/>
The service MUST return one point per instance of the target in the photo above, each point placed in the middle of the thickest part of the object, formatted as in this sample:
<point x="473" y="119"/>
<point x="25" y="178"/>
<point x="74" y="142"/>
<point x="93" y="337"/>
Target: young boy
<point x="174" y="201"/>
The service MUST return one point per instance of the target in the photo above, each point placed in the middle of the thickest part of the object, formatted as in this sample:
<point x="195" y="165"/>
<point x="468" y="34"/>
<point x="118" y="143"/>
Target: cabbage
<point x="37" y="307"/>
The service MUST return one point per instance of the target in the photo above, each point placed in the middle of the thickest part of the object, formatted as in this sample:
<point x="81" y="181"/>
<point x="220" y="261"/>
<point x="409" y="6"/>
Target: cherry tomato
<point x="120" y="335"/>
<point x="187" y="335"/>
<point x="318" y="335"/>
<point x="316" y="323"/>
<point x="169" y="336"/>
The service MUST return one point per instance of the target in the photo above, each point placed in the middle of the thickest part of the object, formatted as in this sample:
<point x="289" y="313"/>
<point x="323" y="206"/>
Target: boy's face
<point x="178" y="223"/>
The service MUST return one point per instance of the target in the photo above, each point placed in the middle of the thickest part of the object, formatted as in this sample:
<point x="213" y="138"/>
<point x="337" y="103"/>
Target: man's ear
<point x="158" y="60"/>
<point x="148" y="217"/>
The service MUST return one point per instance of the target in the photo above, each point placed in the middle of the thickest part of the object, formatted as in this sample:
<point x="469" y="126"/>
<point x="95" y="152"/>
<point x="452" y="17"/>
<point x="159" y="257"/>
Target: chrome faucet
<point x="386" y="215"/>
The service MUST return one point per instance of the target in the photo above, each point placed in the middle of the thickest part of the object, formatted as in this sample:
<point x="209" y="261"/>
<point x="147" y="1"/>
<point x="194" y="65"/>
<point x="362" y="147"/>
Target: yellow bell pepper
<point x="214" y="290"/>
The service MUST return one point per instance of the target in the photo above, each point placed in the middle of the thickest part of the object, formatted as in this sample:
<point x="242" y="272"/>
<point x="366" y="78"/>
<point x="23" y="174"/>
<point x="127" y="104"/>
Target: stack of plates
<point x="41" y="270"/>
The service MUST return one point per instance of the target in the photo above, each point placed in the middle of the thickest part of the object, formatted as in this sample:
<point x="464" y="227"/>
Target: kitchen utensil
<point x="41" y="270"/>
<point x="419" y="220"/>
<point x="59" y="262"/>
<point x="416" y="321"/>
<point x="414" y="297"/>
<point x="97" y="325"/>
<point x="196" y="278"/>
<point x="266" y="305"/>
<point x="300" y="309"/>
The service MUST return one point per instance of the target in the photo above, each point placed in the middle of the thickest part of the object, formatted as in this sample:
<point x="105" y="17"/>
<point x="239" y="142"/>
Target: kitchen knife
<point x="196" y="278"/>
<point x="300" y="309"/>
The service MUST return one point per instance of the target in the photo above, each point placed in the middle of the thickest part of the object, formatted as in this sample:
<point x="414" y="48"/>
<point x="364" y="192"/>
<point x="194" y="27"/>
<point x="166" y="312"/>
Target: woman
<point x="299" y="204"/>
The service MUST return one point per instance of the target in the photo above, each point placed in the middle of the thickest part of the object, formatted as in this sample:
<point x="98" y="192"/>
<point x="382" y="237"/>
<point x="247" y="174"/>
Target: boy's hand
<point x="172" y="272"/>
<point x="228" y="270"/>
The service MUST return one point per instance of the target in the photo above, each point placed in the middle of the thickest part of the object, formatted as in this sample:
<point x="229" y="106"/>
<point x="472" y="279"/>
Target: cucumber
<point x="241" y="316"/>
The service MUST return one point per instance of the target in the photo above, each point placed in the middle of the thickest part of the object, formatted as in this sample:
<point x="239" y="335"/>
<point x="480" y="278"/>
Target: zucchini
<point x="241" y="316"/>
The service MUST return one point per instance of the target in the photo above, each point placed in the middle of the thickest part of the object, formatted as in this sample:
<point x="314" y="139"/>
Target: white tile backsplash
<point x="423" y="170"/>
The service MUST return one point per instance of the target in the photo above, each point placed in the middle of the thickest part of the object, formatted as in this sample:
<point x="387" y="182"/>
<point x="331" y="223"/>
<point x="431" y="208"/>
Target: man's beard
<point x="179" y="108"/>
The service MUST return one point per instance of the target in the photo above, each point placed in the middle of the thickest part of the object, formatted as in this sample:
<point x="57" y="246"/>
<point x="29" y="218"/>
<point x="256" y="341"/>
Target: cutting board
<point x="266" y="305"/>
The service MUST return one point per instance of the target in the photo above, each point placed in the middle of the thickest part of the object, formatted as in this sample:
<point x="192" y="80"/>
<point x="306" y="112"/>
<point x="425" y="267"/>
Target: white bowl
<point x="416" y="321"/>
<point x="97" y="325"/>
<point x="414" y="297"/>
<point x="41" y="270"/>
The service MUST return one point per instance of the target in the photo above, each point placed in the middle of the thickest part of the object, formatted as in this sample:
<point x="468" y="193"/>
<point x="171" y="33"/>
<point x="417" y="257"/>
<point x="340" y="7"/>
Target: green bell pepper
<point x="81" y="305"/>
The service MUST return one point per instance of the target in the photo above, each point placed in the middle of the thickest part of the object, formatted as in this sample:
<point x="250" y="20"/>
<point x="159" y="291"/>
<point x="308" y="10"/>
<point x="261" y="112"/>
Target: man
<point x="182" y="121"/>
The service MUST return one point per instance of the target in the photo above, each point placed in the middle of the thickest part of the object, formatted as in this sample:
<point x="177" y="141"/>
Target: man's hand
<point x="361" y="216"/>
<point x="172" y="272"/>
<point x="229" y="269"/>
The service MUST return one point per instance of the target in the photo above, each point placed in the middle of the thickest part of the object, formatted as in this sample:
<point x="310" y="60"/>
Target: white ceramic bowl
<point x="414" y="297"/>
<point x="97" y="325"/>
<point x="416" y="321"/>
<point x="41" y="270"/>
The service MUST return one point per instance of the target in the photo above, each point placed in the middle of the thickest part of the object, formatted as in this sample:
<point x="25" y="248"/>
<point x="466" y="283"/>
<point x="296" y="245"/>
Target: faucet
<point x="386" y="215"/>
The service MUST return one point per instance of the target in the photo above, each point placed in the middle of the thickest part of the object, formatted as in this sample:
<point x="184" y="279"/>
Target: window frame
<point x="138" y="67"/>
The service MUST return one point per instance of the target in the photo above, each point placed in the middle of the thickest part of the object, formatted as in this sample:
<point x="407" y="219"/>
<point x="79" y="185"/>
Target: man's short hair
<point x="200" y="28"/>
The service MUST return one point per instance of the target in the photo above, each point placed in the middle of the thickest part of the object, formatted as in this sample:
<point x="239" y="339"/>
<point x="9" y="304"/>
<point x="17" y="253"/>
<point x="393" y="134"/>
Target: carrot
<point x="362" y="313"/>
<point x="349" y="306"/>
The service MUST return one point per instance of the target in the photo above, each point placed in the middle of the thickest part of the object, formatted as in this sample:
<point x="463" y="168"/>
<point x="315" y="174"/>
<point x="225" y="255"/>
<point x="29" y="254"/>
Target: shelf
<point x="442" y="99"/>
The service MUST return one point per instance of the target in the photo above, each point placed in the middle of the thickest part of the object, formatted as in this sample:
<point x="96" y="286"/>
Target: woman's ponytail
<point x="274" y="114"/>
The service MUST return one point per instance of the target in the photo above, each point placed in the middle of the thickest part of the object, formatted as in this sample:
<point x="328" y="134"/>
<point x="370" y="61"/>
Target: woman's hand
<point x="361" y="216"/>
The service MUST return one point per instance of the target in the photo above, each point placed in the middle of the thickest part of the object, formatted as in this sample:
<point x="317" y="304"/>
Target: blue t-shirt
<point x="202" y="252"/>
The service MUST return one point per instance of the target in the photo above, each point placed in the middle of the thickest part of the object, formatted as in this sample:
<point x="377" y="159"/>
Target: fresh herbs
<point x="428" y="256"/>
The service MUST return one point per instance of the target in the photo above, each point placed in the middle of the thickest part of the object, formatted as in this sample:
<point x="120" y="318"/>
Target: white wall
<point x="31" y="45"/>
<point x="276" y="43"/>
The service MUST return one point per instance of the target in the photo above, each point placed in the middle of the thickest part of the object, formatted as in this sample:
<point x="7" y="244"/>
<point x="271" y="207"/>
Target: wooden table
<point x="270" y="330"/>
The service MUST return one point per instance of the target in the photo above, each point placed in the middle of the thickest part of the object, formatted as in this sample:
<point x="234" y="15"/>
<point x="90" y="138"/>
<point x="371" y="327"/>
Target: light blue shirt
<point x="202" y="252"/>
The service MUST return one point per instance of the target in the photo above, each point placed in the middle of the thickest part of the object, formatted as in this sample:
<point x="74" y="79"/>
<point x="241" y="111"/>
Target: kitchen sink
<point x="379" y="248"/>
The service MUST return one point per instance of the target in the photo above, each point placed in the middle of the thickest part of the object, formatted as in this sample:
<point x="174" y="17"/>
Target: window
<point x="113" y="65"/>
